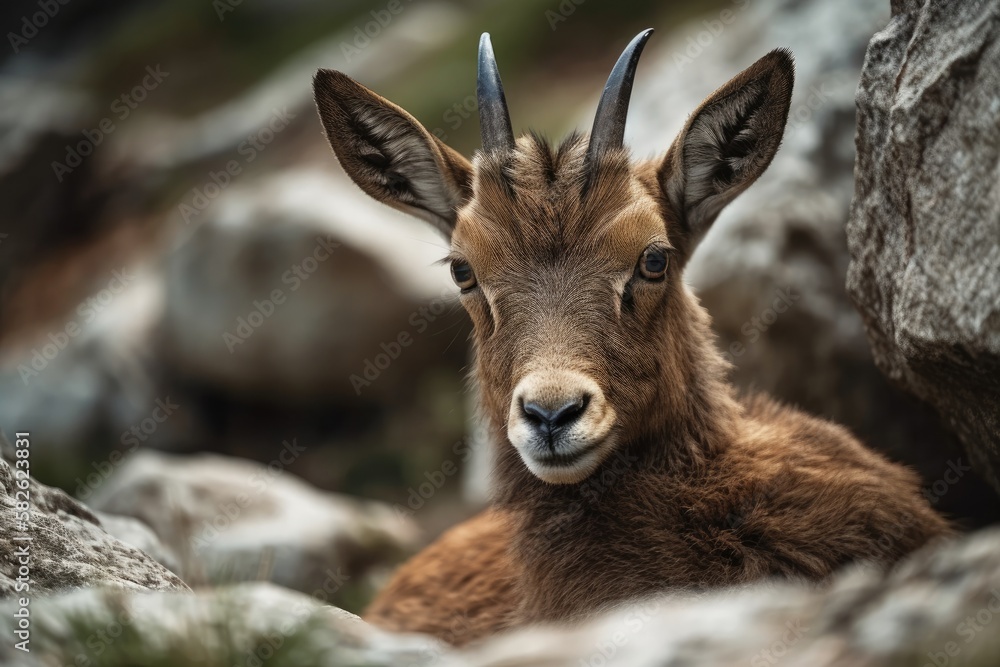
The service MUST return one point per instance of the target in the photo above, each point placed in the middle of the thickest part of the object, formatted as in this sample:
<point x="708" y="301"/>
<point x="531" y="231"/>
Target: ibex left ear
<point x="727" y="143"/>
<point x="389" y="154"/>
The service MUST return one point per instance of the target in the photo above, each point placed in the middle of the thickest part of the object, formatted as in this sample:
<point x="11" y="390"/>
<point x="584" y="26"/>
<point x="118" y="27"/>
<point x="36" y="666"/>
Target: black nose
<point x="547" y="421"/>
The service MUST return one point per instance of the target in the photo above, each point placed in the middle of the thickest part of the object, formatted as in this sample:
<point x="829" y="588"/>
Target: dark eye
<point x="653" y="264"/>
<point x="463" y="274"/>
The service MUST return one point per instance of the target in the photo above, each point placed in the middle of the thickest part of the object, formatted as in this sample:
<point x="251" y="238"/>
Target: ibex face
<point x="569" y="259"/>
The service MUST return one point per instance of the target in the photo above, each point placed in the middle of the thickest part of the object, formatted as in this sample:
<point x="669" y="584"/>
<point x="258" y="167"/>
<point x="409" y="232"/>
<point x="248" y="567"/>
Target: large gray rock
<point x="279" y="290"/>
<point x="249" y="625"/>
<point x="86" y="384"/>
<point x="230" y="520"/>
<point x="939" y="607"/>
<point x="69" y="547"/>
<point x="137" y="534"/>
<point x="772" y="270"/>
<point x="924" y="233"/>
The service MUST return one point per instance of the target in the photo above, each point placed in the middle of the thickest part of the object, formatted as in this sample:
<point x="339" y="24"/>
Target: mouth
<point x="568" y="467"/>
<point x="566" y="459"/>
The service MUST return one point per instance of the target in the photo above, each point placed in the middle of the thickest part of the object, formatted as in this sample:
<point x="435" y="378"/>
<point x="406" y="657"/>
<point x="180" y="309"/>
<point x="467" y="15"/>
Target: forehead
<point x="539" y="206"/>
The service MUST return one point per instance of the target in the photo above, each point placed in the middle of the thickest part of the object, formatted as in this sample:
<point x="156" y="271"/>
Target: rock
<point x="940" y="604"/>
<point x="137" y="534"/>
<point x="772" y="270"/>
<point x="924" y="232"/>
<point x="230" y="520"/>
<point x="249" y="624"/>
<point x="69" y="548"/>
<point x="260" y="293"/>
<point x="88" y="395"/>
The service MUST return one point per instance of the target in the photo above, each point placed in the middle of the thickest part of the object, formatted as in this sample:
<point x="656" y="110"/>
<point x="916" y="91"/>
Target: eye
<point x="463" y="274"/>
<point x="653" y="264"/>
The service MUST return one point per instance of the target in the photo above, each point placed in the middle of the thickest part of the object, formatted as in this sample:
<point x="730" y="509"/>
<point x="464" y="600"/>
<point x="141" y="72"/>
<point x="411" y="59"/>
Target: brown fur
<point x="473" y="577"/>
<point x="698" y="489"/>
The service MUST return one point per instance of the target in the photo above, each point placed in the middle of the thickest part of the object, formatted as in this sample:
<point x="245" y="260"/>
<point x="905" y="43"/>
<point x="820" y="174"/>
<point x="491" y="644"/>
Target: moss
<point x="220" y="640"/>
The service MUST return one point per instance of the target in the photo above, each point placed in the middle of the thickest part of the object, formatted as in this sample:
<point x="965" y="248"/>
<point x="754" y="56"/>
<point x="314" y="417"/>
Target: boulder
<point x="87" y="385"/>
<point x="924" y="233"/>
<point x="229" y="520"/>
<point x="137" y="534"/>
<point x="277" y="290"/>
<point x="250" y="625"/>
<point x="939" y="607"/>
<point x="69" y="548"/>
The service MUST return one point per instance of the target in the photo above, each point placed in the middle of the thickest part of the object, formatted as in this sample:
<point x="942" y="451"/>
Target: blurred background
<point x="189" y="282"/>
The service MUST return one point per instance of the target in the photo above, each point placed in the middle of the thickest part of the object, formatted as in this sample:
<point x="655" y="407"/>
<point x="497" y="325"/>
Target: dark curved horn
<point x="494" y="119"/>
<point x="609" y="123"/>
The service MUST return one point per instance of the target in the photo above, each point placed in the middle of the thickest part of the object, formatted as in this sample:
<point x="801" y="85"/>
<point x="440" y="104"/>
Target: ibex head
<point x="569" y="258"/>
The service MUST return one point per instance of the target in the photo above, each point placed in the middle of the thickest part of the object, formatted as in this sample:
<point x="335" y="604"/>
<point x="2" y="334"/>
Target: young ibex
<point x="624" y="463"/>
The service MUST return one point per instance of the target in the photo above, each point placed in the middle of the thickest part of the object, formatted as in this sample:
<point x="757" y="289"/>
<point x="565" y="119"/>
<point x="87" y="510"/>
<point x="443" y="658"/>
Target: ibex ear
<point x="389" y="154"/>
<point x="727" y="143"/>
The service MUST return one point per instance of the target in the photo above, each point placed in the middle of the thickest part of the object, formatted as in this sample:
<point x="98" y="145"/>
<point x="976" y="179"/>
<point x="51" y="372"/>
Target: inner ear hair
<point x="728" y="142"/>
<point x="388" y="153"/>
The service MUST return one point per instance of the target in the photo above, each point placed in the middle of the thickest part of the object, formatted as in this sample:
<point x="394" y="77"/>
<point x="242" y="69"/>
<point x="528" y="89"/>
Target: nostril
<point x="535" y="413"/>
<point x="552" y="419"/>
<point x="569" y="412"/>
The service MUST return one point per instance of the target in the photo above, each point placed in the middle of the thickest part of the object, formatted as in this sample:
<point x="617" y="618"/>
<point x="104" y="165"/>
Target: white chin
<point x="567" y="473"/>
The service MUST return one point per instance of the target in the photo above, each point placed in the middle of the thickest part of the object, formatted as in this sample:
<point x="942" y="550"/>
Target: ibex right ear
<point x="727" y="144"/>
<point x="389" y="154"/>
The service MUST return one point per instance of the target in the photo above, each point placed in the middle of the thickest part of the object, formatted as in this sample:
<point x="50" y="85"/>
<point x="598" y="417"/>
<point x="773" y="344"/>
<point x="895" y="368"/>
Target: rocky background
<point x="243" y="380"/>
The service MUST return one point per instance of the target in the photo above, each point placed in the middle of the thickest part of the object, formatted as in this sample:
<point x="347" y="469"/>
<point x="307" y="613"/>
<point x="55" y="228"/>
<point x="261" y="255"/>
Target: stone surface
<point x="924" y="233"/>
<point x="278" y="290"/>
<point x="69" y="548"/>
<point x="942" y="607"/>
<point x="133" y="532"/>
<point x="248" y="625"/>
<point x="231" y="520"/>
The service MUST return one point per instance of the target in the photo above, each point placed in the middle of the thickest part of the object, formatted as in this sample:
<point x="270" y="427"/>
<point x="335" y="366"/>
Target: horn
<point x="494" y="119"/>
<point x="609" y="123"/>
